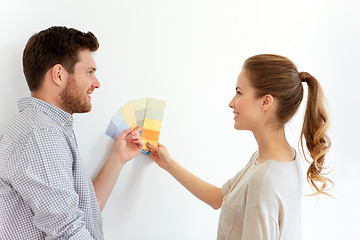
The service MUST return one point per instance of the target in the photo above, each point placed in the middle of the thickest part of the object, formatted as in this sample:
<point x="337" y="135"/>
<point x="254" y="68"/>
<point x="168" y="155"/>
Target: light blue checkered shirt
<point x="45" y="192"/>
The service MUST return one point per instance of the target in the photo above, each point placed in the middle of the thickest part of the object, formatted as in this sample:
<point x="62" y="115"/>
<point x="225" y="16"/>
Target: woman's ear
<point x="267" y="102"/>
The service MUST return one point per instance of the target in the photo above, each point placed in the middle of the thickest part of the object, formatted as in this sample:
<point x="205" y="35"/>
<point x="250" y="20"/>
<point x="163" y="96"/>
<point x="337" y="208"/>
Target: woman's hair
<point x="279" y="77"/>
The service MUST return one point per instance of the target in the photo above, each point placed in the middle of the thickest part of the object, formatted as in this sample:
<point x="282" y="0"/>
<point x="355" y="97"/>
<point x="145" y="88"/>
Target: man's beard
<point x="73" y="100"/>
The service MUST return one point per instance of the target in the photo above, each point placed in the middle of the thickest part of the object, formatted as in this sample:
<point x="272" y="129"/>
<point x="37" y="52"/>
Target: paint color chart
<point x="145" y="112"/>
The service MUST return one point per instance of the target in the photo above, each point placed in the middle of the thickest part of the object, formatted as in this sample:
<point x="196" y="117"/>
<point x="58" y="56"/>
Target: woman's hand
<point x="161" y="156"/>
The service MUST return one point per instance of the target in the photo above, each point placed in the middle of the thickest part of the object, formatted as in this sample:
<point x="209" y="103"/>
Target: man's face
<point x="75" y="98"/>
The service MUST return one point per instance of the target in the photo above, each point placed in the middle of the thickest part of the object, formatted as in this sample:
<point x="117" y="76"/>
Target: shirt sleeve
<point x="225" y="189"/>
<point x="42" y="175"/>
<point x="258" y="225"/>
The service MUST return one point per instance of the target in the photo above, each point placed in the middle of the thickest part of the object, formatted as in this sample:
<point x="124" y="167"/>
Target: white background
<point x="189" y="54"/>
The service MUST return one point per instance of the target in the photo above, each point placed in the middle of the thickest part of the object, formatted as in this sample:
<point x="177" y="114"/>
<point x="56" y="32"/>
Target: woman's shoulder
<point x="272" y="175"/>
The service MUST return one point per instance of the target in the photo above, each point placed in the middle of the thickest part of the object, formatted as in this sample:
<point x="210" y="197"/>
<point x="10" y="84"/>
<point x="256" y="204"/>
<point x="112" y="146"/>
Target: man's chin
<point x="88" y="110"/>
<point x="83" y="109"/>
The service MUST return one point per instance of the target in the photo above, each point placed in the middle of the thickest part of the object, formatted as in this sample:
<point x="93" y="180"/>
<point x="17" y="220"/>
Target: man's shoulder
<point x="27" y="121"/>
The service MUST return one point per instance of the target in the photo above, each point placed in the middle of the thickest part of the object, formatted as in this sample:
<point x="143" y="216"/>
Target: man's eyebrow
<point x="237" y="88"/>
<point x="91" y="68"/>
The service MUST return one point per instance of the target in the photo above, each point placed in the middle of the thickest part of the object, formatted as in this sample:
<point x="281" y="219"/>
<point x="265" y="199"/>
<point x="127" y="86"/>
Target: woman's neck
<point x="273" y="145"/>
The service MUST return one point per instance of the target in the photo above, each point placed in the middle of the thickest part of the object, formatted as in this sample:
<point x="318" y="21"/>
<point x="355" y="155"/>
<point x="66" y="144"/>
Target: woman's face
<point x="246" y="107"/>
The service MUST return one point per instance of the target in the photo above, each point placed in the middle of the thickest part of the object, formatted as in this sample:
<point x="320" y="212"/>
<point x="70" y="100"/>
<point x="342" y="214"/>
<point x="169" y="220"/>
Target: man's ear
<point x="58" y="74"/>
<point x="266" y="102"/>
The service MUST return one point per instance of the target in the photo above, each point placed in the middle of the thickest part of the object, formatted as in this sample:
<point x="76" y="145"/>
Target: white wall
<point x="189" y="53"/>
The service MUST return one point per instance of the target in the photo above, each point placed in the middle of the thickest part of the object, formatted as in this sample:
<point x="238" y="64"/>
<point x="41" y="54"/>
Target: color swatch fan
<point x="144" y="112"/>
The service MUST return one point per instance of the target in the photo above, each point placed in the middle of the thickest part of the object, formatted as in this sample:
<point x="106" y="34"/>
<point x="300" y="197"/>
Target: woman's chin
<point x="237" y="127"/>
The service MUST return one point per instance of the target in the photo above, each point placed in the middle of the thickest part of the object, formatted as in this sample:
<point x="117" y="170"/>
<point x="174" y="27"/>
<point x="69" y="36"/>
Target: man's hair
<point x="55" y="45"/>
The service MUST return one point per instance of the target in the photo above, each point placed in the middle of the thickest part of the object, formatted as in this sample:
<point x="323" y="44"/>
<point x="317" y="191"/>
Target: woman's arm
<point x="204" y="191"/>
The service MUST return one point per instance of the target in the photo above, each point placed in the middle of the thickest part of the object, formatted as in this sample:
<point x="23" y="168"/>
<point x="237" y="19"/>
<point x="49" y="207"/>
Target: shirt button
<point x="102" y="237"/>
<point x="72" y="135"/>
<point x="63" y="124"/>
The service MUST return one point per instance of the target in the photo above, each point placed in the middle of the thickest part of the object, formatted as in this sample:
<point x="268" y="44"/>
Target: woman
<point x="263" y="201"/>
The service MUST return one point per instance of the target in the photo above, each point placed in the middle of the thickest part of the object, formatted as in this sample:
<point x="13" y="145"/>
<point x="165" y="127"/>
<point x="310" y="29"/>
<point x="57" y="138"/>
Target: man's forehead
<point x="86" y="59"/>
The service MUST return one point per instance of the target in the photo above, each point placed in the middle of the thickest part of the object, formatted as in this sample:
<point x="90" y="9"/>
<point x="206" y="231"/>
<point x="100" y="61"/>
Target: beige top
<point x="263" y="202"/>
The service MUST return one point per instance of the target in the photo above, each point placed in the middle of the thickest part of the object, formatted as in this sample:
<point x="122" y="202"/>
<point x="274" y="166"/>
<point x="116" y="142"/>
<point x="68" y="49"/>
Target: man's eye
<point x="237" y="92"/>
<point x="90" y="73"/>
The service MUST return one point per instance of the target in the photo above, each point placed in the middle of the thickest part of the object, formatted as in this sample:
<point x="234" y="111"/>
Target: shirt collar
<point x="62" y="117"/>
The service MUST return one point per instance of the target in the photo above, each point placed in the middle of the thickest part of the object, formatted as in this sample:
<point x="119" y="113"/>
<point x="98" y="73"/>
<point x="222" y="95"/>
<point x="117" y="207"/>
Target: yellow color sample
<point x="152" y="124"/>
<point x="127" y="111"/>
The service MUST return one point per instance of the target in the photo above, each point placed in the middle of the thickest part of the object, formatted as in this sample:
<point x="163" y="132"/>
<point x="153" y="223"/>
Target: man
<point x="45" y="192"/>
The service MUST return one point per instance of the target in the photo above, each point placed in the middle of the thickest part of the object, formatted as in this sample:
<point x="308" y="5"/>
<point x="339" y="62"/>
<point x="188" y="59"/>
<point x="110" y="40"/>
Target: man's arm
<point x="41" y="172"/>
<point x="127" y="146"/>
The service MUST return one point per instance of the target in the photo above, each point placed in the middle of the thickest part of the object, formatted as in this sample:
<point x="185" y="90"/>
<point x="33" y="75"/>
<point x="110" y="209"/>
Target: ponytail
<point x="314" y="132"/>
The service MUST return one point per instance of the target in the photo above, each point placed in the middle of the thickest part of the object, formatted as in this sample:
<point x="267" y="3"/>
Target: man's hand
<point x="128" y="145"/>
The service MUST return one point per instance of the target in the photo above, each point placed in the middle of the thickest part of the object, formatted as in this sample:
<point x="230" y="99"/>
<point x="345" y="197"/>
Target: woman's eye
<point x="237" y="92"/>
